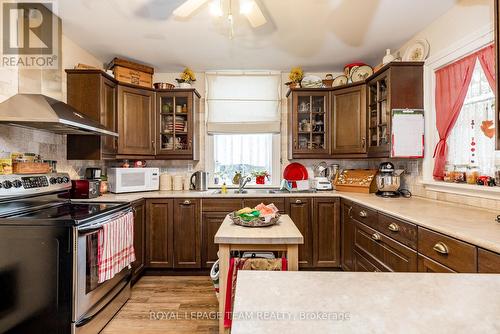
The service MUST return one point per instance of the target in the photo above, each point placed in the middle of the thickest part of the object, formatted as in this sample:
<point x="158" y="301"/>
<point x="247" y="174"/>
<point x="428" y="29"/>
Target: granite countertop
<point x="470" y="224"/>
<point x="343" y="302"/>
<point x="284" y="232"/>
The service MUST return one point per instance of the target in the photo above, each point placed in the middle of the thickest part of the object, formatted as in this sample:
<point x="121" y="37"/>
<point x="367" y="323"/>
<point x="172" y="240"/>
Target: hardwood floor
<point x="168" y="304"/>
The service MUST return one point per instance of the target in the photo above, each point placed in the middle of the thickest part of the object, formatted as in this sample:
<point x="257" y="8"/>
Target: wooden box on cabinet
<point x="309" y="123"/>
<point x="177" y="132"/>
<point x="93" y="93"/>
<point x="136" y="122"/>
<point x="348" y="124"/>
<point x="398" y="85"/>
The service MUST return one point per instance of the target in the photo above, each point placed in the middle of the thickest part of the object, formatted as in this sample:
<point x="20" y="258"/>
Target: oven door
<point x="96" y="303"/>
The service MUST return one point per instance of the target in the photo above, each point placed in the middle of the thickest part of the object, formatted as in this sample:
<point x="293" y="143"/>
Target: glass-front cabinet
<point x="176" y="123"/>
<point x="379" y="115"/>
<point x="309" y="124"/>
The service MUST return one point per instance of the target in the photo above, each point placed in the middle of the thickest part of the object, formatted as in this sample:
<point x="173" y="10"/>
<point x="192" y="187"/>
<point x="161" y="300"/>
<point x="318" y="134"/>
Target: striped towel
<point x="115" y="246"/>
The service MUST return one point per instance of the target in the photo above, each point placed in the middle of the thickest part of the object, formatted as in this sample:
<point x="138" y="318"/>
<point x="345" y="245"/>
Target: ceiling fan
<point x="248" y="8"/>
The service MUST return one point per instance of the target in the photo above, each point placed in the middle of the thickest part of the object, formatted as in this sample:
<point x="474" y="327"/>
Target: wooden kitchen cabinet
<point x="326" y="232"/>
<point x="488" y="262"/>
<point x="349" y="121"/>
<point x="300" y="211"/>
<point x="309" y="120"/>
<point x="139" y="239"/>
<point x="347" y="236"/>
<point x="426" y="265"/>
<point x="136" y="122"/>
<point x="177" y="124"/>
<point x="187" y="233"/>
<point x="398" y="85"/>
<point x="384" y="252"/>
<point x="160" y="233"/>
<point x="92" y="93"/>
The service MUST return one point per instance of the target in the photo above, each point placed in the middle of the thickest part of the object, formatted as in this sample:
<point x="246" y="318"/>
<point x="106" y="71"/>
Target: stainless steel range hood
<point x="41" y="112"/>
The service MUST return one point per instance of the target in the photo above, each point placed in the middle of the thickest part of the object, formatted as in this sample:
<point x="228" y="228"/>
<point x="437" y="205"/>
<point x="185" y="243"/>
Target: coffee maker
<point x="389" y="180"/>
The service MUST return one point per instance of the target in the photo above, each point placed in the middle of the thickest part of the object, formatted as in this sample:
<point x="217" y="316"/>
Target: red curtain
<point x="486" y="57"/>
<point x="452" y="83"/>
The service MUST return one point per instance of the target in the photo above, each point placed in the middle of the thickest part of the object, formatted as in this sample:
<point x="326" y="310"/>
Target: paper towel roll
<point x="165" y="182"/>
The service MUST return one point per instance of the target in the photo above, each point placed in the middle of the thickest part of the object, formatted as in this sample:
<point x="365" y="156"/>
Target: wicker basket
<point x="257" y="222"/>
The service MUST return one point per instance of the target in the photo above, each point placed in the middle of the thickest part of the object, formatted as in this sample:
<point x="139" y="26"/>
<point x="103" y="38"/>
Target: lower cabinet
<point x="300" y="212"/>
<point x="488" y="262"/>
<point x="347" y="237"/>
<point x="326" y="232"/>
<point x="139" y="239"/>
<point x="187" y="233"/>
<point x="211" y="223"/>
<point x="159" y="233"/>
<point x="426" y="265"/>
<point x="361" y="263"/>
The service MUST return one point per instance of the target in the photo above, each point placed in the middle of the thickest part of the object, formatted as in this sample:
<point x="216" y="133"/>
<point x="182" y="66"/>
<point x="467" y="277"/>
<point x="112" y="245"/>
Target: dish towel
<point x="246" y="264"/>
<point x="115" y="246"/>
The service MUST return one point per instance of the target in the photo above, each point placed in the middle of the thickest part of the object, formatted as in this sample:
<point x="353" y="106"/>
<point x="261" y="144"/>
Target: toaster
<point x="85" y="189"/>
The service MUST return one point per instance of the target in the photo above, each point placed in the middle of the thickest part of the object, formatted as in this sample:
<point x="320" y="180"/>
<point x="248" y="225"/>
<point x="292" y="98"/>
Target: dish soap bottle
<point x="223" y="189"/>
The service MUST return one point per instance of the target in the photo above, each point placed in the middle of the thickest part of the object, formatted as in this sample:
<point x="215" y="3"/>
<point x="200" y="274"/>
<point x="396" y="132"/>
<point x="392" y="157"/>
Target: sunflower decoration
<point x="187" y="76"/>
<point x="296" y="75"/>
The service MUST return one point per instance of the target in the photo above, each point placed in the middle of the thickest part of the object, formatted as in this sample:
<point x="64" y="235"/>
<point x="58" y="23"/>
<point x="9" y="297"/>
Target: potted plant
<point x="260" y="176"/>
<point x="187" y="77"/>
<point x="296" y="75"/>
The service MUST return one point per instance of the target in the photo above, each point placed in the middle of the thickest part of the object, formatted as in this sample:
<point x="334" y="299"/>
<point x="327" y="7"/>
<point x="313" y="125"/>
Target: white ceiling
<point x="320" y="35"/>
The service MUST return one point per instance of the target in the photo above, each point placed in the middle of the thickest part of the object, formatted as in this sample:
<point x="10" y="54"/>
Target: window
<point x="243" y="124"/>
<point x="472" y="126"/>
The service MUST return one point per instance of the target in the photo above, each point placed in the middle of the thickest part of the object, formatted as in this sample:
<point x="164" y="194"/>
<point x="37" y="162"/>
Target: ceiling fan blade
<point x="188" y="7"/>
<point x="254" y="15"/>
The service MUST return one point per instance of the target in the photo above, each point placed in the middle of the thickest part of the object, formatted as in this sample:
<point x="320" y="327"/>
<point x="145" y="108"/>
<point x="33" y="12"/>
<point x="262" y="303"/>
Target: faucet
<point x="242" y="183"/>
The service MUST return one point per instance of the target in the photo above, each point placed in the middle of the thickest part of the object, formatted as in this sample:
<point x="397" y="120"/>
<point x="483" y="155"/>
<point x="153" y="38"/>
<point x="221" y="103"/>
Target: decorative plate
<point x="295" y="172"/>
<point x="340" y="81"/>
<point x="256" y="222"/>
<point x="418" y="51"/>
<point x="361" y="73"/>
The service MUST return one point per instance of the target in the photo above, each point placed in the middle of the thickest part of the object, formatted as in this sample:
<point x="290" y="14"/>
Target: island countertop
<point x="343" y="302"/>
<point x="284" y="232"/>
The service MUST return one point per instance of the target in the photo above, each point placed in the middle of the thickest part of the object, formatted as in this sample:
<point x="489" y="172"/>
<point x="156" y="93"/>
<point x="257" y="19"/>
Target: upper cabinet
<point x="136" y="122"/>
<point x="177" y="124"/>
<point x="398" y="85"/>
<point x="151" y="124"/>
<point x="349" y="121"/>
<point x="309" y="123"/>
<point x="94" y="95"/>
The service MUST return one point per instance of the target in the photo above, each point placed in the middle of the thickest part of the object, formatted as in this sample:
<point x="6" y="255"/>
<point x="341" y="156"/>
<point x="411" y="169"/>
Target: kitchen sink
<point x="263" y="191"/>
<point x="235" y="191"/>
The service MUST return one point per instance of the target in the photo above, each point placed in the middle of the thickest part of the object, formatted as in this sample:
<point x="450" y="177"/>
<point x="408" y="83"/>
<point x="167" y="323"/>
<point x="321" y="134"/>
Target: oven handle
<point x="99" y="224"/>
<point x="88" y="319"/>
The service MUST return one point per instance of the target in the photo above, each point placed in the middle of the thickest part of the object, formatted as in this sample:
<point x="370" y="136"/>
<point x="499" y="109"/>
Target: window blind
<point x="243" y="102"/>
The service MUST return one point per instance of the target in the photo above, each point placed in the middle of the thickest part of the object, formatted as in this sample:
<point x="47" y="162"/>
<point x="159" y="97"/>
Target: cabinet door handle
<point x="441" y="248"/>
<point x="349" y="212"/>
<point x="186" y="202"/>
<point x="363" y="142"/>
<point x="376" y="236"/>
<point x="363" y="214"/>
<point x="298" y="201"/>
<point x="393" y="227"/>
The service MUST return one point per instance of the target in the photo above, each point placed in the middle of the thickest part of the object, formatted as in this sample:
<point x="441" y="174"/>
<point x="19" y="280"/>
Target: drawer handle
<point x="349" y="212"/>
<point x="441" y="248"/>
<point x="498" y="219"/>
<point x="376" y="236"/>
<point x="393" y="227"/>
<point x="298" y="201"/>
<point x="363" y="214"/>
<point x="186" y="202"/>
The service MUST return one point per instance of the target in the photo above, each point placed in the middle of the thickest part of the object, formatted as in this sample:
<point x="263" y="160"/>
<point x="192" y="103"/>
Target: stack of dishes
<point x="179" y="125"/>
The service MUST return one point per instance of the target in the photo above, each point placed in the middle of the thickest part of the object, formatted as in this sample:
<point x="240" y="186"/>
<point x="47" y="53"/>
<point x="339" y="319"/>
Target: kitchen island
<point x="283" y="236"/>
<point x="342" y="302"/>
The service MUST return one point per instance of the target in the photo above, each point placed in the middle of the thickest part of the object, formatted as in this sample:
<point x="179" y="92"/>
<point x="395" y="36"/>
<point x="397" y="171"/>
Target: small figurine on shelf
<point x="296" y="75"/>
<point x="187" y="77"/>
<point x="260" y="177"/>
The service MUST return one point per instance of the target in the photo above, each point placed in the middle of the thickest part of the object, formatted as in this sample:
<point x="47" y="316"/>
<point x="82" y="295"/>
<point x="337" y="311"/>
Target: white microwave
<point x="127" y="180"/>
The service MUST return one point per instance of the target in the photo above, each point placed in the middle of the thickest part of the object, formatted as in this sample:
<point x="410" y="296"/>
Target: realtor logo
<point x="29" y="35"/>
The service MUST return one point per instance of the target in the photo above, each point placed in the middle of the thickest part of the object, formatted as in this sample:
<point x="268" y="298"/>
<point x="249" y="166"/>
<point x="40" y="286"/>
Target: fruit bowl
<point x="256" y="222"/>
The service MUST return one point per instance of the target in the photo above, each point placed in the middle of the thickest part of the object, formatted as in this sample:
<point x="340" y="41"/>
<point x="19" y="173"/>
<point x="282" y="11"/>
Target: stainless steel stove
<point x="48" y="258"/>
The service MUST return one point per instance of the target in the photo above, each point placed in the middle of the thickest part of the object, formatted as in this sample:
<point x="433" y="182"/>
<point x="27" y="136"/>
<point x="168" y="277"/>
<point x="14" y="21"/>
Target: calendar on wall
<point x="407" y="133"/>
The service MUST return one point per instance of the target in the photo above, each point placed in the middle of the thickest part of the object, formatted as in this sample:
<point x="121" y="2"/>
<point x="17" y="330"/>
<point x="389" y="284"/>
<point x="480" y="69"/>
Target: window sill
<point x="463" y="189"/>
